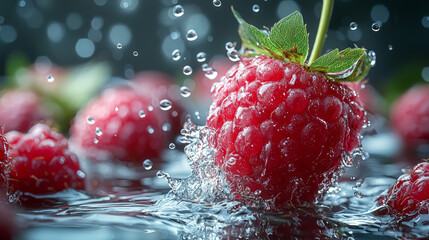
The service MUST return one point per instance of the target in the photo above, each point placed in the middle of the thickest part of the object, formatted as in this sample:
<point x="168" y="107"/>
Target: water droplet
<point x="116" y="109"/>
<point x="176" y="54"/>
<point x="96" y="140"/>
<point x="187" y="70"/>
<point x="255" y="8"/>
<point x="376" y="26"/>
<point x="119" y="46"/>
<point x="372" y="58"/>
<point x="142" y="114"/>
<point x="165" y="104"/>
<point x="233" y="55"/>
<point x="166" y="127"/>
<point x="217" y="3"/>
<point x="178" y="11"/>
<point x="150" y="108"/>
<point x="210" y="73"/>
<point x="205" y="67"/>
<point x="229" y="46"/>
<point x="185" y="91"/>
<point x="172" y="146"/>
<point x="98" y="131"/>
<point x="358" y="194"/>
<point x="80" y="174"/>
<point x="135" y="53"/>
<point x="51" y="78"/>
<point x="353" y="26"/>
<point x="150" y="130"/>
<point x="147" y="164"/>
<point x="201" y="56"/>
<point x="191" y="35"/>
<point x="160" y="174"/>
<point x="390" y="47"/>
<point x="90" y="120"/>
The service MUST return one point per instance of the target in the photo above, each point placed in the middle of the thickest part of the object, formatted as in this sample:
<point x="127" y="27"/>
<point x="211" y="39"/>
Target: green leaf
<point x="356" y="73"/>
<point x="254" y="38"/>
<point x="291" y="35"/>
<point x="337" y="62"/>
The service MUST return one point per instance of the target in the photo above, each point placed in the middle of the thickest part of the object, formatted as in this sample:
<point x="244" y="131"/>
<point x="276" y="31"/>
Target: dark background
<point x="25" y="26"/>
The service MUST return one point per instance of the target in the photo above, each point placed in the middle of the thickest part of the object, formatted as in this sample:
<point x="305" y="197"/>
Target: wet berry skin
<point x="410" y="115"/>
<point x="409" y="195"/>
<point x="41" y="162"/>
<point x="19" y="110"/>
<point x="281" y="131"/>
<point x="121" y="124"/>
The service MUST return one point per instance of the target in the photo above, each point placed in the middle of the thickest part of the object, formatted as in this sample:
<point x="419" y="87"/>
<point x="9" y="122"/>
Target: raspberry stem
<point x="321" y="31"/>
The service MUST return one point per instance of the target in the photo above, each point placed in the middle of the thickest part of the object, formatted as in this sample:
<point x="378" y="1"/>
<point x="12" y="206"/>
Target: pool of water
<point x="121" y="203"/>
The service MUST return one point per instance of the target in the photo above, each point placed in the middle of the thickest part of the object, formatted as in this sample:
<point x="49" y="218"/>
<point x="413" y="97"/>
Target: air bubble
<point x="178" y="11"/>
<point x="187" y="70"/>
<point x="229" y="46"/>
<point x="255" y="8"/>
<point x="376" y="26"/>
<point x="233" y="55"/>
<point x="172" y="146"/>
<point x="98" y="131"/>
<point x="51" y="78"/>
<point x="210" y="73"/>
<point x="176" y="54"/>
<point x="201" y="56"/>
<point x="217" y="3"/>
<point x="353" y="26"/>
<point x="191" y="35"/>
<point x="142" y="114"/>
<point x="372" y="58"/>
<point x="135" y="53"/>
<point x="147" y="164"/>
<point x="165" y="104"/>
<point x="119" y="46"/>
<point x="185" y="91"/>
<point x="90" y="120"/>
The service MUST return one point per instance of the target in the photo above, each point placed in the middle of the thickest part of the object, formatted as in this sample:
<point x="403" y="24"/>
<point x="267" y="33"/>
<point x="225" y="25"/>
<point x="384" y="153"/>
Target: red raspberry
<point x="121" y="124"/>
<point x="409" y="196"/>
<point x="42" y="162"/>
<point x="19" y="110"/>
<point x="282" y="131"/>
<point x="159" y="86"/>
<point x="410" y="115"/>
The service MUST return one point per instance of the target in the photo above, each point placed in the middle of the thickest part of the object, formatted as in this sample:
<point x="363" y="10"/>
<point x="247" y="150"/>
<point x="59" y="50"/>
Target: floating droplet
<point x="172" y="146"/>
<point x="178" y="11"/>
<point x="51" y="78"/>
<point x="376" y="26"/>
<point x="80" y="174"/>
<point x="187" y="70"/>
<point x="201" y="56"/>
<point x="210" y="73"/>
<point x="150" y="130"/>
<point x="176" y="54"/>
<point x="205" y="67"/>
<point x="191" y="35"/>
<point x="142" y="114"/>
<point x="256" y="8"/>
<point x="185" y="91"/>
<point x="233" y="55"/>
<point x="96" y="140"/>
<point x="98" y="131"/>
<point x="353" y="26"/>
<point x="372" y="58"/>
<point x="90" y="120"/>
<point x="150" y="108"/>
<point x="165" y="104"/>
<point x="217" y="3"/>
<point x="166" y="127"/>
<point x="116" y="109"/>
<point x="229" y="46"/>
<point x="390" y="47"/>
<point x="135" y="53"/>
<point x="160" y="174"/>
<point x="119" y="46"/>
<point x="147" y="164"/>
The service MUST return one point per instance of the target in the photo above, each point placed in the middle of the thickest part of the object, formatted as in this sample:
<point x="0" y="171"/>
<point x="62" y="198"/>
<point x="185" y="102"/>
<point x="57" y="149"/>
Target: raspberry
<point x="41" y="162"/>
<point x="159" y="86"/>
<point x="19" y="109"/>
<point x="281" y="131"/>
<point x="409" y="195"/>
<point x="410" y="115"/>
<point x="121" y="124"/>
